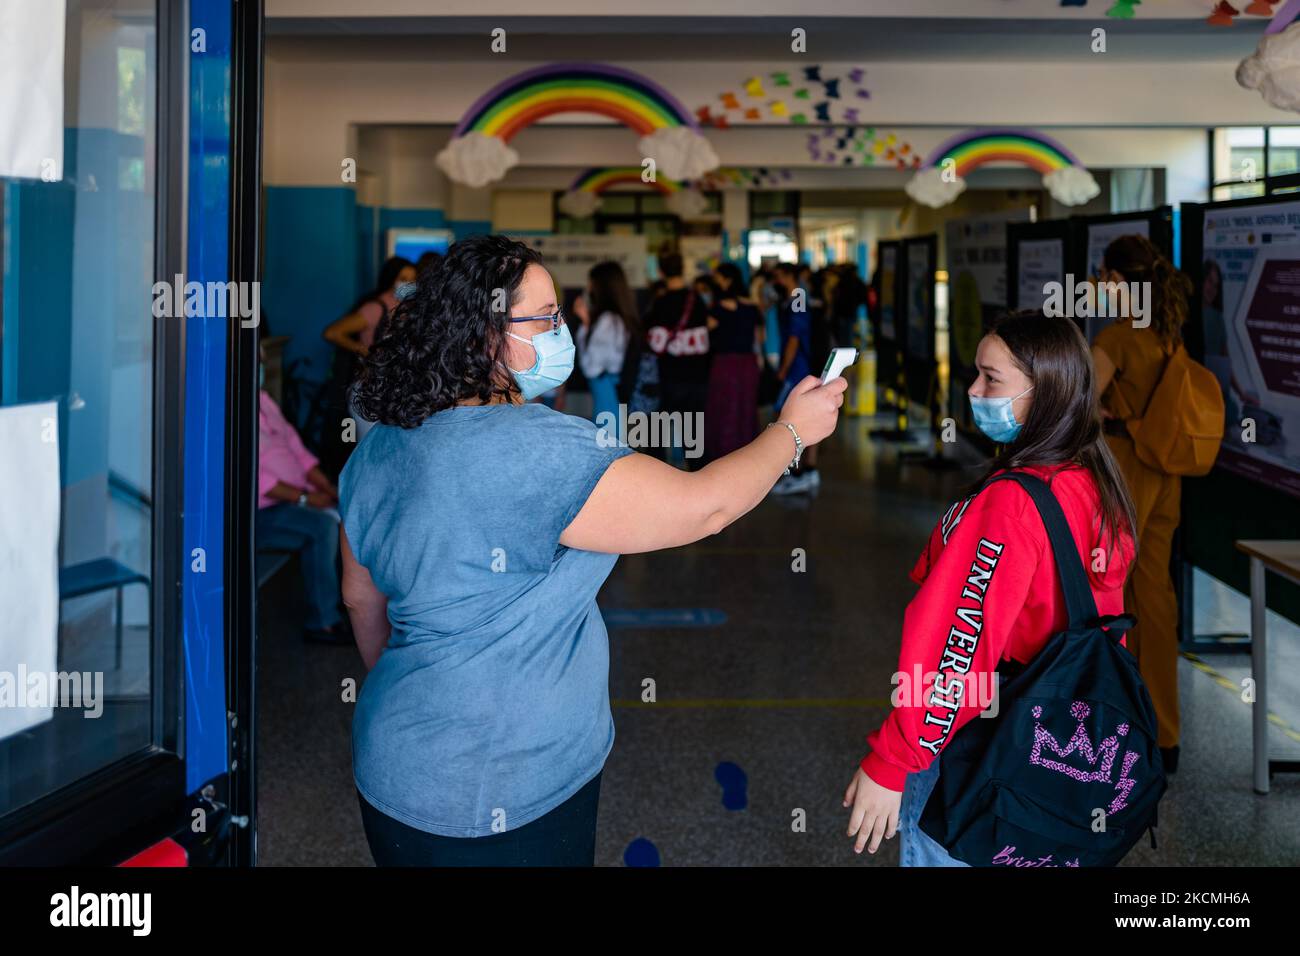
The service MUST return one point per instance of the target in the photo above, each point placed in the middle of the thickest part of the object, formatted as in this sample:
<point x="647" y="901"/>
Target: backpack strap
<point x="1079" y="602"/>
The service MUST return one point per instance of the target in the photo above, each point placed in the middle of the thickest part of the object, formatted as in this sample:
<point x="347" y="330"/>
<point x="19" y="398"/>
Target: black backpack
<point x="1068" y="773"/>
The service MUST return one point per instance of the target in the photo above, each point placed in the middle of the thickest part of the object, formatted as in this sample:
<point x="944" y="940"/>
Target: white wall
<point x="1132" y="114"/>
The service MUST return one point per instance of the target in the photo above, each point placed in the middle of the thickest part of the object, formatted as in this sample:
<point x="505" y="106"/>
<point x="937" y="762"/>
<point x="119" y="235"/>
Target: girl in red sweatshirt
<point x="989" y="596"/>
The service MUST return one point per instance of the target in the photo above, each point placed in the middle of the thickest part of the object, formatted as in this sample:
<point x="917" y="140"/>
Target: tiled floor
<point x="785" y="689"/>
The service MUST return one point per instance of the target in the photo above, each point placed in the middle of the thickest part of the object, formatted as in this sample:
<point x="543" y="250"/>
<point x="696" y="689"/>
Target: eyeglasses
<point x="556" y="319"/>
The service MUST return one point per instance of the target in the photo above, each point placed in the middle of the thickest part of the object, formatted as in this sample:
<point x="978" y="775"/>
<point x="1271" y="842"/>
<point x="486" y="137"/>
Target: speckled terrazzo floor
<point x="785" y="689"/>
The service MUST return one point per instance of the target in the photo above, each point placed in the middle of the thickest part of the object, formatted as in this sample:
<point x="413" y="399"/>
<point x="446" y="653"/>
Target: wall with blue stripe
<point x="322" y="253"/>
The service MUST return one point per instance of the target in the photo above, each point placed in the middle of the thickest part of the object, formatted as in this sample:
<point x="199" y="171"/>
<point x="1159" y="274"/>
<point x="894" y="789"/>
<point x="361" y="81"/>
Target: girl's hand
<point x="875" y="811"/>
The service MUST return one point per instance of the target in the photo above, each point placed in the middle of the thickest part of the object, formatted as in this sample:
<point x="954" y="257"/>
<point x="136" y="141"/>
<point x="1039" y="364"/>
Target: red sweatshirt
<point x="989" y="592"/>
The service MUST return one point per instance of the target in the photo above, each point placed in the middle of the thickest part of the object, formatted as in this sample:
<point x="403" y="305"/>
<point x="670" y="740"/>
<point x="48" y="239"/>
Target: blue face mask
<point x="403" y="289"/>
<point x="995" y="417"/>
<point x="554" y="362"/>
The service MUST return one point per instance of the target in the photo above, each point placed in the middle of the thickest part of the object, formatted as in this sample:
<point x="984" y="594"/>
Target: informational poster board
<point x="1040" y="263"/>
<point x="888" y="282"/>
<point x="1250" y="493"/>
<point x="917" y="318"/>
<point x="887" y="290"/>
<point x="29" y="562"/>
<point x="976" y="251"/>
<point x="1250" y="327"/>
<point x="570" y="258"/>
<point x="919" y="254"/>
<point x="1095" y="233"/>
<point x="699" y="254"/>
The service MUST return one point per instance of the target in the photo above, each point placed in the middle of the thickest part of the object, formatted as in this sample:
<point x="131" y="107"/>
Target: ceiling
<point x="858" y="39"/>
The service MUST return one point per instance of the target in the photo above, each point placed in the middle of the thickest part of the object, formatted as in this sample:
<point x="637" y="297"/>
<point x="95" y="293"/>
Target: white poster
<point x="1101" y="235"/>
<point x="29" y="558"/>
<point x="1041" y="261"/>
<point x="570" y="258"/>
<point x="31" y="89"/>
<point x="1250" y="314"/>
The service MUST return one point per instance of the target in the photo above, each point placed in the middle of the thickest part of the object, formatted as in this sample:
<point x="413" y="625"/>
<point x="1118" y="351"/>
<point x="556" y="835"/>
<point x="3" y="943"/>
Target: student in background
<point x="609" y="321"/>
<point x="677" y="332"/>
<point x="296" y="511"/>
<point x="794" y="318"/>
<point x="355" y="331"/>
<point x="736" y="343"/>
<point x="352" y="336"/>
<point x="1130" y="361"/>
<point x="428" y="260"/>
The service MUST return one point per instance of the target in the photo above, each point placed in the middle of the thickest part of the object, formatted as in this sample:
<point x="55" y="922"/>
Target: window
<point x="1254" y="160"/>
<point x="641" y="213"/>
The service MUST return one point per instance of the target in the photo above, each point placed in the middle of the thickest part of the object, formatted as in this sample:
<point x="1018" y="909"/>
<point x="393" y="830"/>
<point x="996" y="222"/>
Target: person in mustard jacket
<point x="1130" y="355"/>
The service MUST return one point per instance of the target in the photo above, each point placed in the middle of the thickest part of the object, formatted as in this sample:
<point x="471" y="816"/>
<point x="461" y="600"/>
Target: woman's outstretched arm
<point x="642" y="504"/>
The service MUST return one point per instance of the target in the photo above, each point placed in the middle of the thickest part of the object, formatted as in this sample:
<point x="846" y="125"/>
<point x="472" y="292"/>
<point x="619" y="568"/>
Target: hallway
<point x="761" y="716"/>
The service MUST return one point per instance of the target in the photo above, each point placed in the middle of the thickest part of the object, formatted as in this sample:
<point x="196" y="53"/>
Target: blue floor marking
<point x="734" y="784"/>
<point x="660" y="617"/>
<point x="641" y="852"/>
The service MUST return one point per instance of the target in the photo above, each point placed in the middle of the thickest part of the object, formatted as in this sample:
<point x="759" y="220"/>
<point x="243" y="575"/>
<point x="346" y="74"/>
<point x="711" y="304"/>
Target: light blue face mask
<point x="403" y="289"/>
<point x="995" y="417"/>
<point x="554" y="363"/>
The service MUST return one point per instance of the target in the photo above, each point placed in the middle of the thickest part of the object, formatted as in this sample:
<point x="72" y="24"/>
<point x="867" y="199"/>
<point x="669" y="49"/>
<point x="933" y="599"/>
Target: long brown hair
<point x="1138" y="259"/>
<point x="611" y="293"/>
<point x="1064" y="421"/>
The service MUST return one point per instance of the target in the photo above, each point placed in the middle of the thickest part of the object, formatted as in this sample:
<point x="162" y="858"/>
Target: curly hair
<point x="446" y="342"/>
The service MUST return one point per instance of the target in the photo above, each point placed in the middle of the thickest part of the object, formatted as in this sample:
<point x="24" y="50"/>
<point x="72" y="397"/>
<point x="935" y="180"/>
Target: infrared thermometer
<point x="839" y="360"/>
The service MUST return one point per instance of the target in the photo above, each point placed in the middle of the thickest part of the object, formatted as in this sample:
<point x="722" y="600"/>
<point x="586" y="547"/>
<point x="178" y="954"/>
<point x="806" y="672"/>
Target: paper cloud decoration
<point x="1071" y="185"/>
<point x="1274" y="69"/>
<point x="930" y="188"/>
<point x="579" y="204"/>
<point x="679" y="152"/>
<point x="476" y="159"/>
<point x="686" y="203"/>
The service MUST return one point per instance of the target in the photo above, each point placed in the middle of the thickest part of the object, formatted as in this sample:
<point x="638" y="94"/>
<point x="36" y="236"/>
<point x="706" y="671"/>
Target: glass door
<point x="91" y="739"/>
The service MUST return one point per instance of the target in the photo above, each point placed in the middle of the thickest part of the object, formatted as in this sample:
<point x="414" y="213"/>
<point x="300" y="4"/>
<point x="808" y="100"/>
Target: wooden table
<point x="1282" y="558"/>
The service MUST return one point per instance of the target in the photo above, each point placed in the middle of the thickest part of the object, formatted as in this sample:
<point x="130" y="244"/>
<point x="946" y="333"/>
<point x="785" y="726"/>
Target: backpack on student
<point x="1068" y="773"/>
<point x="1182" y="428"/>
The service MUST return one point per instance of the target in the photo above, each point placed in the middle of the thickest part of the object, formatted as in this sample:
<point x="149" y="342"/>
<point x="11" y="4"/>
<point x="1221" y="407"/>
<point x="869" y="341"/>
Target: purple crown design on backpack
<point x="1101" y="759"/>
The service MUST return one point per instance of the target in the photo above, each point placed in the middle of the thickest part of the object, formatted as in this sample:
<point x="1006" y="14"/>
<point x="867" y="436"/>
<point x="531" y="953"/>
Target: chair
<point x="101" y="574"/>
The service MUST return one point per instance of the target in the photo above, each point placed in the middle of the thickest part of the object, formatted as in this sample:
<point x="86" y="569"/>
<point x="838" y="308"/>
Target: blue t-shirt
<point x="797" y="324"/>
<point x="491" y="700"/>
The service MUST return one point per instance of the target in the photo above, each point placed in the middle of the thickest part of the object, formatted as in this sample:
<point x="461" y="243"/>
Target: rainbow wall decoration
<point x="479" y="152"/>
<point x="598" y="179"/>
<point x="943" y="177"/>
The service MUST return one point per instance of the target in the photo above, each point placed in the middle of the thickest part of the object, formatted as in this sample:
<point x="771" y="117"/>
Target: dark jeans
<point x="314" y="534"/>
<point x="566" y="836"/>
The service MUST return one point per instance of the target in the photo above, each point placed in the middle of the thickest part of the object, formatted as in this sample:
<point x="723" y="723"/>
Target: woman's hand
<point x="875" y="810"/>
<point x="813" y="408"/>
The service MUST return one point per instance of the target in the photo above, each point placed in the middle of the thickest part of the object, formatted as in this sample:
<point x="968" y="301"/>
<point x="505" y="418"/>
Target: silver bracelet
<point x="798" y="445"/>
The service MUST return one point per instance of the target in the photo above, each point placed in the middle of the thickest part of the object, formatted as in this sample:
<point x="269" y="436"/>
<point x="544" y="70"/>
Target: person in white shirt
<point x="609" y="319"/>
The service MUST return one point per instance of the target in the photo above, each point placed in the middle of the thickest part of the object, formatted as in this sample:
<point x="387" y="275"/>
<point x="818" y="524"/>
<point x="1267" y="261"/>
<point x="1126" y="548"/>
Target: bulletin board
<point x="1247" y="338"/>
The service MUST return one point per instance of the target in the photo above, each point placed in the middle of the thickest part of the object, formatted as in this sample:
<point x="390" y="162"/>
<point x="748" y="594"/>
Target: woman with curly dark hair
<point x="477" y="529"/>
